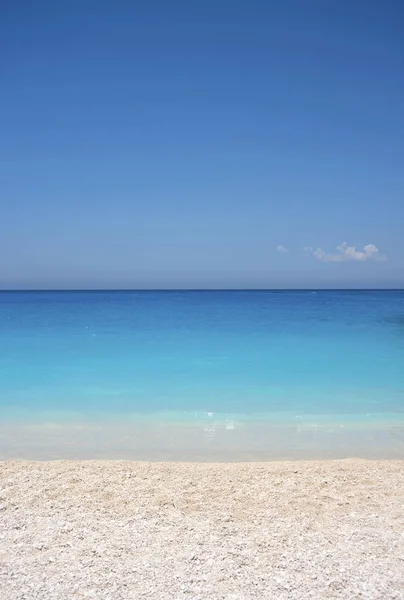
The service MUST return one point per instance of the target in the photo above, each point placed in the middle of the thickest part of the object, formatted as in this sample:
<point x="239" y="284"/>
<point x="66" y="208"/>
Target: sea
<point x="201" y="375"/>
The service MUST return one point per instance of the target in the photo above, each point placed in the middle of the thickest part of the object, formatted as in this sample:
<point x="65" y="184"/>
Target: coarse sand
<point x="121" y="530"/>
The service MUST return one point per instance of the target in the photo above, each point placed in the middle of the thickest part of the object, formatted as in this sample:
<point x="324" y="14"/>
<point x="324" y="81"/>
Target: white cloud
<point x="282" y="249"/>
<point x="347" y="253"/>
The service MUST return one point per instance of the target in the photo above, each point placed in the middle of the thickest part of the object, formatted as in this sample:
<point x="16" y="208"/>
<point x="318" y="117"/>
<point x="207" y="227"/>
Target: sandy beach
<point x="125" y="530"/>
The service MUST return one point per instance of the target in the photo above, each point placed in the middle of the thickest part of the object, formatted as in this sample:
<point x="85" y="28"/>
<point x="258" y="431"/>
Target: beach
<point x="126" y="530"/>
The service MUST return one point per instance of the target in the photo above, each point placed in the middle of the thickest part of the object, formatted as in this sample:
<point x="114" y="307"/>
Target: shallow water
<point x="201" y="375"/>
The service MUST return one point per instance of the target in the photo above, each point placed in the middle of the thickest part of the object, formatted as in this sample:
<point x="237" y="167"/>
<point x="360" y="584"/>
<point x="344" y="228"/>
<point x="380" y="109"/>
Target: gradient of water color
<point x="201" y="374"/>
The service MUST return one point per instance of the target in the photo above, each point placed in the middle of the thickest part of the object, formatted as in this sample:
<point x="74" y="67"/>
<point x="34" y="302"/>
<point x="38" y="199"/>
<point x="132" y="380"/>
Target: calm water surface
<point x="189" y="375"/>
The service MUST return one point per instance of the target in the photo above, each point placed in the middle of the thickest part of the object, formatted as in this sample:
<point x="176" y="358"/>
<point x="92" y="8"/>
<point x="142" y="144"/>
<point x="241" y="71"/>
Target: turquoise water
<point x="260" y="362"/>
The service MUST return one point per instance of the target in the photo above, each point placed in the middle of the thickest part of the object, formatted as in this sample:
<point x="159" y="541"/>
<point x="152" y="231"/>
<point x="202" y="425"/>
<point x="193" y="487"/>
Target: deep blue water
<point x="262" y="355"/>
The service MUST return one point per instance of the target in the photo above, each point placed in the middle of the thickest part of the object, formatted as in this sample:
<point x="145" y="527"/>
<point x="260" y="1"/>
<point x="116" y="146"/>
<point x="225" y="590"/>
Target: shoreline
<point x="122" y="530"/>
<point x="198" y="442"/>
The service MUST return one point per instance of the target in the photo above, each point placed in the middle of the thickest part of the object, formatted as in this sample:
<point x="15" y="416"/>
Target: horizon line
<point x="313" y="289"/>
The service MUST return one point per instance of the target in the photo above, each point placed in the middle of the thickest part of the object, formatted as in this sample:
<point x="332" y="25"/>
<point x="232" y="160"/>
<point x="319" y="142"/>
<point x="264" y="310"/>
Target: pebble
<point x="109" y="531"/>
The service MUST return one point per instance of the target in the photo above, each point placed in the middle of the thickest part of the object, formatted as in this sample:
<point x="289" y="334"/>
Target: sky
<point x="214" y="144"/>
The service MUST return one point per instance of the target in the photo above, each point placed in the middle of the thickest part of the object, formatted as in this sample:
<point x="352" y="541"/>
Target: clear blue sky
<point x="178" y="144"/>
